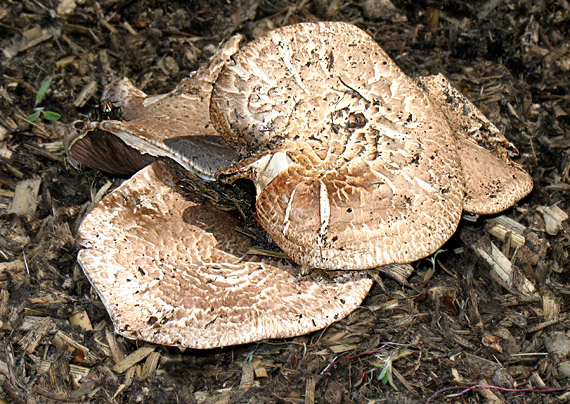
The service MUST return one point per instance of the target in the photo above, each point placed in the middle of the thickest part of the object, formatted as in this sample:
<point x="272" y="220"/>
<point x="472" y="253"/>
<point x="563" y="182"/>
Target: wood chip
<point x="57" y="379"/>
<point x="398" y="272"/>
<point x="259" y="369"/>
<point x="550" y="307"/>
<point x="310" y="390"/>
<point x="62" y="338"/>
<point x="133" y="359"/>
<point x="341" y="348"/>
<point x="389" y="305"/>
<point x="503" y="228"/>
<point x="29" y="322"/>
<point x="85" y="94"/>
<point x="488" y="394"/>
<point x="81" y="319"/>
<point x="503" y="268"/>
<point x="488" y="8"/>
<point x="66" y="7"/>
<point x="75" y="370"/>
<point x="221" y="396"/>
<point x="116" y="350"/>
<point x="545" y="324"/>
<point x="12" y="266"/>
<point x="130" y="376"/>
<point x="26" y="197"/>
<point x="6" y="193"/>
<point x="33" y="338"/>
<point x="3" y="133"/>
<point x="150" y="365"/>
<point x="247" y="378"/>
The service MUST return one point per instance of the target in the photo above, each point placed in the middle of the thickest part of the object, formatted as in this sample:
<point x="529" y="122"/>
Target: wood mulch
<point x="491" y="310"/>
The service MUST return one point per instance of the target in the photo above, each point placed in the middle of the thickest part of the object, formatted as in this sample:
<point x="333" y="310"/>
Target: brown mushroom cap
<point x="175" y="273"/>
<point x="373" y="175"/>
<point x="493" y="182"/>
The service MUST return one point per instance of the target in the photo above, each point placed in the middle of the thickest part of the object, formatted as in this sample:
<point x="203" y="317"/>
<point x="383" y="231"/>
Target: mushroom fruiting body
<point x="355" y="165"/>
<point x="172" y="272"/>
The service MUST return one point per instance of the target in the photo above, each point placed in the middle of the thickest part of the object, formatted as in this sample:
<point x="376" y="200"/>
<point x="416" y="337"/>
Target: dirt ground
<point x="456" y="322"/>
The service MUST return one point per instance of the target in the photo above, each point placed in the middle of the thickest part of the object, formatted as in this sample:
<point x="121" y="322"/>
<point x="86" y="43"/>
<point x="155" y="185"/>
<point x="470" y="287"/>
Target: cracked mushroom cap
<point x="356" y="165"/>
<point x="363" y="166"/>
<point x="492" y="181"/>
<point x="175" y="273"/>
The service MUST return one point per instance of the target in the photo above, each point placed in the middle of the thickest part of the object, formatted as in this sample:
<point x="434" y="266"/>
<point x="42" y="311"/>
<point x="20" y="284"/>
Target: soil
<point x="455" y="322"/>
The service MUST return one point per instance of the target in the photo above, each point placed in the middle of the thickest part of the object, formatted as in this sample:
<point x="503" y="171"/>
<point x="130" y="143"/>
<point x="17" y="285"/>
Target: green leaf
<point x="51" y="116"/>
<point x="34" y="116"/>
<point x="386" y="374"/>
<point x="42" y="91"/>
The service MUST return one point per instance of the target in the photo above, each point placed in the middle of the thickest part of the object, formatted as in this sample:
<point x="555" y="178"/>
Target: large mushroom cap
<point x="371" y="174"/>
<point x="492" y="181"/>
<point x="175" y="273"/>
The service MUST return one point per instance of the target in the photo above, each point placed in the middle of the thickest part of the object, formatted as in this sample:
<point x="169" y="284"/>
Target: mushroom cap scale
<point x="175" y="273"/>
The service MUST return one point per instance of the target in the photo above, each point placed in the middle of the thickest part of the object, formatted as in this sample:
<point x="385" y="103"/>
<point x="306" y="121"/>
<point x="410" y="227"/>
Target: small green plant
<point x="386" y="374"/>
<point x="39" y="111"/>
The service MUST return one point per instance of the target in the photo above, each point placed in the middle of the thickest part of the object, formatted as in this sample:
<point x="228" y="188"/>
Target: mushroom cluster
<point x="354" y="165"/>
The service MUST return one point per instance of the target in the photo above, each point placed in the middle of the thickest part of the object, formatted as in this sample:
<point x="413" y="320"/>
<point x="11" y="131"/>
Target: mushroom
<point x="174" y="125"/>
<point x="354" y="164"/>
<point x="172" y="272"/>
